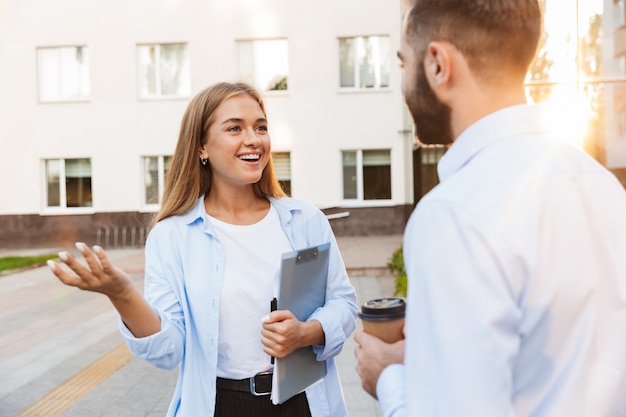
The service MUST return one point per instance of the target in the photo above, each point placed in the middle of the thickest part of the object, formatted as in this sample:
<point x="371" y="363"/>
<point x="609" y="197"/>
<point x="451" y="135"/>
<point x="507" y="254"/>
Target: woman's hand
<point x="282" y="333"/>
<point x="98" y="276"/>
<point x="102" y="277"/>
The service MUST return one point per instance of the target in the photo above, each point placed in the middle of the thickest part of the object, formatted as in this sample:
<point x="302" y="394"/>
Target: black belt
<point x="260" y="384"/>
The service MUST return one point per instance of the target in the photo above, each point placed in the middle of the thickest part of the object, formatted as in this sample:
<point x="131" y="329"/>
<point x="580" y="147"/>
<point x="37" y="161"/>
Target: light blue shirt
<point x="516" y="300"/>
<point x="184" y="275"/>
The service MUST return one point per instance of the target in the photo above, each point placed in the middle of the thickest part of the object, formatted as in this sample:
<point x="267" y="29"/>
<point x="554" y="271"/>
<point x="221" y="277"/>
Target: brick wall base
<point x="127" y="229"/>
<point x="370" y="221"/>
<point x="35" y="231"/>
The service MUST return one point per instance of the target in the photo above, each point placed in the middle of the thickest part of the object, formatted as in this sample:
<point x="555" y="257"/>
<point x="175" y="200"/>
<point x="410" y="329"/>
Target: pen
<point x="273" y="307"/>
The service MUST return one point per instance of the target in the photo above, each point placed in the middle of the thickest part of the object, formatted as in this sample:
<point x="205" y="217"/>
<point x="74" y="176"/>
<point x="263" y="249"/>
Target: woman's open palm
<point x="97" y="276"/>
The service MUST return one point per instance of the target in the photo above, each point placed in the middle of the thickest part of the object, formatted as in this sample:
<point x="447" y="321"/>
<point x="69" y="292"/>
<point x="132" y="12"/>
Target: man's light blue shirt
<point x="184" y="275"/>
<point x="517" y="281"/>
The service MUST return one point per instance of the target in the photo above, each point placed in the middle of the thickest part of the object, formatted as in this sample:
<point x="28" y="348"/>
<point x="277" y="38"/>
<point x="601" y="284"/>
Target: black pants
<point x="243" y="404"/>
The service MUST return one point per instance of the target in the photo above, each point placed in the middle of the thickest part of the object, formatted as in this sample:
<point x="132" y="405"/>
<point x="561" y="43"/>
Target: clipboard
<point x="303" y="278"/>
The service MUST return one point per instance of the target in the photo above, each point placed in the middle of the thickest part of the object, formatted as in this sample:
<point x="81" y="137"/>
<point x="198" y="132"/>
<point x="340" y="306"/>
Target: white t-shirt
<point x="252" y="263"/>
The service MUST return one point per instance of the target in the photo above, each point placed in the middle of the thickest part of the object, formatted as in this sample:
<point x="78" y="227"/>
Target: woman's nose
<point x="251" y="137"/>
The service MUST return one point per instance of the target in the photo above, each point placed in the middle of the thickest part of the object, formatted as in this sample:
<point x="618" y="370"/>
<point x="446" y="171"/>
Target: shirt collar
<point x="284" y="206"/>
<point x="197" y="211"/>
<point x="510" y="121"/>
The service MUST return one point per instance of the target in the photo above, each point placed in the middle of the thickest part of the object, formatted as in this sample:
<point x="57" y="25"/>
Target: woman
<point x="212" y="265"/>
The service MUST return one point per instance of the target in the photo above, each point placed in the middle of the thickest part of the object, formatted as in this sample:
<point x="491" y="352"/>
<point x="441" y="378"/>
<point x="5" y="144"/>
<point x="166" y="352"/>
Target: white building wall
<point x="313" y="120"/>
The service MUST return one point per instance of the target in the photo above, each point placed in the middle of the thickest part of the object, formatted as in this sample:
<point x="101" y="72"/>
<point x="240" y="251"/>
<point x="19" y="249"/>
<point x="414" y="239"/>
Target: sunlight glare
<point x="571" y="111"/>
<point x="569" y="114"/>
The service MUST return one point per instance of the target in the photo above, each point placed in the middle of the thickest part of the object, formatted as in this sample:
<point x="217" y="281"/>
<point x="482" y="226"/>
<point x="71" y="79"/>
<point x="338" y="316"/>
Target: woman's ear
<point x="202" y="153"/>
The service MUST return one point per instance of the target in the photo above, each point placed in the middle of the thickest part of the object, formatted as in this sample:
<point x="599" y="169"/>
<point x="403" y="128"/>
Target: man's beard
<point x="431" y="116"/>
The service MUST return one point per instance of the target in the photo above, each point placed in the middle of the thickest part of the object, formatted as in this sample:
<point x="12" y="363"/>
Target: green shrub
<point x="396" y="266"/>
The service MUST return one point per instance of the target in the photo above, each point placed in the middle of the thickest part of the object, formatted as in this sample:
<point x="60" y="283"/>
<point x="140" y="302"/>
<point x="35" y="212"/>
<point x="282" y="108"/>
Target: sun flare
<point x="569" y="114"/>
<point x="566" y="23"/>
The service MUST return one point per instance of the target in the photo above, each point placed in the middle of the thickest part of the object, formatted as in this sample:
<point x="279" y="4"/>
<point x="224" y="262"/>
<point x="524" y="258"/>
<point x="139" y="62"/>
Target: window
<point x="154" y="170"/>
<point x="579" y="70"/>
<point x="264" y="63"/>
<point x="63" y="73"/>
<point x="425" y="160"/>
<point x="163" y="70"/>
<point x="364" y="62"/>
<point x="367" y="175"/>
<point x="282" y="170"/>
<point x="620" y="16"/>
<point x="68" y="183"/>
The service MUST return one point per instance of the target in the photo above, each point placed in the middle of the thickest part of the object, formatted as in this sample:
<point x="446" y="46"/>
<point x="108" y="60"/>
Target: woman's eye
<point x="234" y="129"/>
<point x="262" y="128"/>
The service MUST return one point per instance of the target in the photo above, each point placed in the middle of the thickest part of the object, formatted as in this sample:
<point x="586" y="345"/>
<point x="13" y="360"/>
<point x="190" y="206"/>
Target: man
<point x="516" y="261"/>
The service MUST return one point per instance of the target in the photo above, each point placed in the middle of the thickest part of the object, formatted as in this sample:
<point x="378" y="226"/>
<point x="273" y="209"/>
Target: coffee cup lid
<point x="379" y="309"/>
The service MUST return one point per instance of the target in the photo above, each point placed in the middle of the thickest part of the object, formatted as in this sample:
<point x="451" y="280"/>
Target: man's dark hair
<point x="498" y="38"/>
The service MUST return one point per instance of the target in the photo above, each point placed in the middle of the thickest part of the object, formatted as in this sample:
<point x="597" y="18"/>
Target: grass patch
<point x="14" y="262"/>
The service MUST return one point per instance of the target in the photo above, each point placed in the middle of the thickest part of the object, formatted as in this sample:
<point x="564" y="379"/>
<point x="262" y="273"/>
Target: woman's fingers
<point x="79" y="275"/>
<point x="87" y="278"/>
<point x="281" y="333"/>
<point x="98" y="275"/>
<point x="104" y="260"/>
<point x="92" y="262"/>
<point x="64" y="276"/>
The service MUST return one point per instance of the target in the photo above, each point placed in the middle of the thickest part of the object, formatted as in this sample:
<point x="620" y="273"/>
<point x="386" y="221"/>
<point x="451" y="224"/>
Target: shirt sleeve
<point x="390" y="391"/>
<point x="462" y="317"/>
<point x="163" y="349"/>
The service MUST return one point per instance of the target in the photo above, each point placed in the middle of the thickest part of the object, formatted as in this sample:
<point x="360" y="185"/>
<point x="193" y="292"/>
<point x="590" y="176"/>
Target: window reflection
<point x="264" y="63"/>
<point x="163" y="70"/>
<point x="364" y="62"/>
<point x="580" y="70"/>
<point x="155" y="169"/>
<point x="367" y="174"/>
<point x="282" y="170"/>
<point x="68" y="183"/>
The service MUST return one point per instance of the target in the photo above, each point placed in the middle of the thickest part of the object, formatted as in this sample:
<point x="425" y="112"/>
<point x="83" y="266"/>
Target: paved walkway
<point x="61" y="353"/>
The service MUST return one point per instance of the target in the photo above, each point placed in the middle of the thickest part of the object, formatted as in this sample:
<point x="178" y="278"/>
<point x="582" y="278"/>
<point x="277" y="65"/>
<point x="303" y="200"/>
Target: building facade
<point x="93" y="94"/>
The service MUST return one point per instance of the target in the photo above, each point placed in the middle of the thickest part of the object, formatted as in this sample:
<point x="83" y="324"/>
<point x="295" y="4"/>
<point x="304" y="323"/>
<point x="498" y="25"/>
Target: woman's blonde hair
<point x="187" y="179"/>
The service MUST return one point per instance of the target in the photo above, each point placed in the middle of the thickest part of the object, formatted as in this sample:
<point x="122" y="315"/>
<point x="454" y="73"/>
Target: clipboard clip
<point x="307" y="255"/>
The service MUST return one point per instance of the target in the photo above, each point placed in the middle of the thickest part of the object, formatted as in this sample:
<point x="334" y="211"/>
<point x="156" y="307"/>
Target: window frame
<point x="356" y="67"/>
<point x="82" y="71"/>
<point x="251" y="78"/>
<point x="143" y="95"/>
<point x="620" y="8"/>
<point x="288" y="163"/>
<point x="360" y="201"/>
<point x="153" y="207"/>
<point x="63" y="208"/>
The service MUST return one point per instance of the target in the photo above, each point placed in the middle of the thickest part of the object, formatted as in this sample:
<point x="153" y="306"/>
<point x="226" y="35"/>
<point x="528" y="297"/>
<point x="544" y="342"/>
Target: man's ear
<point x="437" y="64"/>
